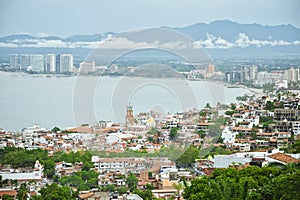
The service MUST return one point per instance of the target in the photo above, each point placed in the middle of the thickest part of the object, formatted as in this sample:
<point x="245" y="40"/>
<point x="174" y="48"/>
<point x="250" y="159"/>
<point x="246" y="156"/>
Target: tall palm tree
<point x="179" y="187"/>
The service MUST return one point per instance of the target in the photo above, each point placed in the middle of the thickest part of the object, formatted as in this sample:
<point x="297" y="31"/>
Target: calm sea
<point x="71" y="101"/>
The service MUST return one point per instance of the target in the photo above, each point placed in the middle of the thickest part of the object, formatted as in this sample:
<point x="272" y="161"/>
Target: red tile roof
<point x="284" y="158"/>
<point x="8" y="192"/>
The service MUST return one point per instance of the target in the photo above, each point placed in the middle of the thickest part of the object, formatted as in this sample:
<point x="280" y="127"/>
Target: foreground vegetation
<point x="269" y="183"/>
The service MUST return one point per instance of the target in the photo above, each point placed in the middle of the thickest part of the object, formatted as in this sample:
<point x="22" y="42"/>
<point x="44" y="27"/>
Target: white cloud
<point x="208" y="43"/>
<point x="243" y="40"/>
<point x="224" y="44"/>
<point x="2" y="44"/>
<point x="211" y="42"/>
<point x="296" y="42"/>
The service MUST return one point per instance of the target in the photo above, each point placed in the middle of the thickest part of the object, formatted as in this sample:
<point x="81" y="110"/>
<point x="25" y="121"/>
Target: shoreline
<point x="257" y="92"/>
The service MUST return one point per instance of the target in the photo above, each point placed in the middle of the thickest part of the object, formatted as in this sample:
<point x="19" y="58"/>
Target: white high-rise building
<point x="291" y="75"/>
<point x="50" y="63"/>
<point x="24" y="61"/>
<point x="14" y="61"/>
<point x="253" y="72"/>
<point x="268" y="77"/>
<point x="64" y="63"/>
<point x="37" y="62"/>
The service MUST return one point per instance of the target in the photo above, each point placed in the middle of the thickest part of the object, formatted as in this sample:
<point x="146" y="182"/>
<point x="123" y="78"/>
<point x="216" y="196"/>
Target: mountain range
<point x="218" y="37"/>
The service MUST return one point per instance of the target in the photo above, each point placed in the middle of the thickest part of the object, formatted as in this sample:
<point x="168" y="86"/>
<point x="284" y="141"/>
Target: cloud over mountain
<point x="216" y="35"/>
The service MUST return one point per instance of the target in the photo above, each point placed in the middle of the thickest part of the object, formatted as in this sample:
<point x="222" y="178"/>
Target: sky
<point x="69" y="17"/>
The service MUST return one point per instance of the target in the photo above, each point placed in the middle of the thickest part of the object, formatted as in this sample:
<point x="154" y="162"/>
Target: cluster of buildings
<point x="36" y="137"/>
<point x="40" y="63"/>
<point x="63" y="63"/>
<point x="246" y="128"/>
<point x="209" y="72"/>
<point x="280" y="78"/>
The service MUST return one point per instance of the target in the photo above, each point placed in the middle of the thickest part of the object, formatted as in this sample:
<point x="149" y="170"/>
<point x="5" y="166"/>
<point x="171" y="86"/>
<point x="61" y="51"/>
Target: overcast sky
<point x="68" y="17"/>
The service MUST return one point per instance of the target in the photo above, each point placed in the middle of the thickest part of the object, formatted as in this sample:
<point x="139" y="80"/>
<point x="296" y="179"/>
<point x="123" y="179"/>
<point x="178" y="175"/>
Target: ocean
<point x="71" y="101"/>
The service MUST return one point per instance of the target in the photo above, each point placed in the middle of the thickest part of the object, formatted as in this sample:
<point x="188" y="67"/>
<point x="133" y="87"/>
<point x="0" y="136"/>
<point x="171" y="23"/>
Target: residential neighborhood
<point x="154" y="152"/>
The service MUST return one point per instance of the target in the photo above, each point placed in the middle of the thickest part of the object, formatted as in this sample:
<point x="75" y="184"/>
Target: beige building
<point x="87" y="67"/>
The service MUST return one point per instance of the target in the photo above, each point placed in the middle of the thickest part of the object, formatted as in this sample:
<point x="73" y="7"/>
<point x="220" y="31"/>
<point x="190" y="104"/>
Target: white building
<point x="64" y="63"/>
<point x="282" y="84"/>
<point x="86" y="67"/>
<point x="224" y="161"/>
<point x="37" y="62"/>
<point x="14" y="61"/>
<point x="35" y="175"/>
<point x="228" y="136"/>
<point x="253" y="72"/>
<point x="122" y="165"/>
<point x="296" y="127"/>
<point x="50" y="63"/>
<point x="24" y="61"/>
<point x="291" y="75"/>
<point x="268" y="77"/>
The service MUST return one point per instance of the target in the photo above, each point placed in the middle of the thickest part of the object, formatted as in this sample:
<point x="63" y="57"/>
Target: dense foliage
<point x="83" y="180"/>
<point x="188" y="157"/>
<point x="250" y="183"/>
<point x="56" y="192"/>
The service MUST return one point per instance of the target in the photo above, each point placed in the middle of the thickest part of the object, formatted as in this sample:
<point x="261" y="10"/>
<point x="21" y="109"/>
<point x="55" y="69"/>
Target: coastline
<point x="255" y="91"/>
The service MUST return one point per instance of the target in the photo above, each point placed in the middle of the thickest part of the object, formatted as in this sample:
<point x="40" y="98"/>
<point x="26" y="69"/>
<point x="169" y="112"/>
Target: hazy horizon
<point x="66" y="18"/>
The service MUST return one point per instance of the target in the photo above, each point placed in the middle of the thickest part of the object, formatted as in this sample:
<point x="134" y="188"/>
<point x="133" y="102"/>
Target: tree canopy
<point x="56" y="192"/>
<point x="249" y="183"/>
<point x="188" y="157"/>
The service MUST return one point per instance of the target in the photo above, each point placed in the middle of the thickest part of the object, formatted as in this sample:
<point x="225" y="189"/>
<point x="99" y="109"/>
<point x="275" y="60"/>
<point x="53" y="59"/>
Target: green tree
<point x="179" y="187"/>
<point x="201" y="133"/>
<point x="131" y="181"/>
<point x="188" y="157"/>
<point x="215" y="129"/>
<point x="150" y="174"/>
<point x="22" y="192"/>
<point x="268" y="87"/>
<point x="55" y="129"/>
<point x="270" y="106"/>
<point x="207" y="105"/>
<point x="146" y="193"/>
<point x="49" y="168"/>
<point x="83" y="180"/>
<point x="122" y="190"/>
<point x="173" y="133"/>
<point x="55" y="192"/>
<point x="230" y="112"/>
<point x="7" y="197"/>
<point x="249" y="183"/>
<point x="232" y="106"/>
<point x="109" y="187"/>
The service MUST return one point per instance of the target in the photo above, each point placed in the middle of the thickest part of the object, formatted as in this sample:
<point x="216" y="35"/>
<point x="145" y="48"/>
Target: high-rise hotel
<point x="64" y="63"/>
<point x="37" y="62"/>
<point x="24" y="61"/>
<point x="50" y="63"/>
<point x="14" y="61"/>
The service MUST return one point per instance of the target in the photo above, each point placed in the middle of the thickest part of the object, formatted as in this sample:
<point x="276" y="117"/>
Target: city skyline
<point x="66" y="18"/>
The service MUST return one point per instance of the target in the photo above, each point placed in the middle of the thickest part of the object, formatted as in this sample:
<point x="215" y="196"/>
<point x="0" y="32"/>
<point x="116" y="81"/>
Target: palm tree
<point x="179" y="187"/>
<point x="22" y="192"/>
